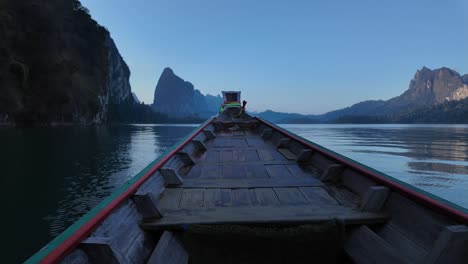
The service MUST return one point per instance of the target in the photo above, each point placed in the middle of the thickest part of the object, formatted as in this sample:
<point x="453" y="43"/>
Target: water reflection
<point x="431" y="157"/>
<point x="52" y="176"/>
<point x="55" y="175"/>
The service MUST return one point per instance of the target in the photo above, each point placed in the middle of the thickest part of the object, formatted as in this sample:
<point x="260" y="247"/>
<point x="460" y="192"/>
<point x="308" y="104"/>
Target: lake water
<point x="52" y="176"/>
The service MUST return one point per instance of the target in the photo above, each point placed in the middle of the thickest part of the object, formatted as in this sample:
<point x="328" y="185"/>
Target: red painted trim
<point x="412" y="194"/>
<point x="83" y="232"/>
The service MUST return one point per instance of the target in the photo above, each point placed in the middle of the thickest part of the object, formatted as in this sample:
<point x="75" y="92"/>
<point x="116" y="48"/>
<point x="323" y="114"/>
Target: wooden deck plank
<point x="269" y="155"/>
<point x="261" y="162"/>
<point x="225" y="198"/>
<point x="211" y="198"/>
<point x="278" y="172"/>
<point x="220" y="142"/>
<point x="253" y="197"/>
<point x="255" y="142"/>
<point x="290" y="196"/>
<point x="251" y="155"/>
<point x="266" y="197"/>
<point x="267" y="214"/>
<point x="191" y="198"/>
<point x="194" y="172"/>
<point x="240" y="197"/>
<point x="256" y="171"/>
<point x="211" y="156"/>
<point x="297" y="171"/>
<point x="211" y="172"/>
<point x="226" y="155"/>
<point x="344" y="196"/>
<point x="251" y="183"/>
<point x="234" y="171"/>
<point x="170" y="198"/>
<point x="318" y="195"/>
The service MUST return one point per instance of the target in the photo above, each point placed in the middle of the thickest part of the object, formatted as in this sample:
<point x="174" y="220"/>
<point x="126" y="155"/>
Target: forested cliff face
<point x="57" y="64"/>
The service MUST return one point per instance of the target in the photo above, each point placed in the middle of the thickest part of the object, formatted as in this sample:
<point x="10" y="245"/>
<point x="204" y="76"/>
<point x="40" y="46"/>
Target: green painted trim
<point x="49" y="247"/>
<point x="407" y="185"/>
<point x="232" y="104"/>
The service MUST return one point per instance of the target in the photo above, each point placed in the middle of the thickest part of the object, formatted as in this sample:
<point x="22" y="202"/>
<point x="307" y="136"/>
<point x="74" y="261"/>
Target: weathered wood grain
<point x="211" y="172"/>
<point x="191" y="198"/>
<point x="185" y="157"/>
<point x="170" y="198"/>
<point x="226" y="155"/>
<point x="356" y="182"/>
<point x="199" y="145"/>
<point x="344" y="196"/>
<point x="266" y="197"/>
<point x="366" y="247"/>
<point x="296" y="147"/>
<point x="102" y="250"/>
<point x="451" y="246"/>
<point x="171" y="177"/>
<point x="154" y="185"/>
<point x="405" y="246"/>
<point x="332" y="173"/>
<point x="194" y="172"/>
<point x="234" y="171"/>
<point x="291" y="196"/>
<point x="266" y="214"/>
<point x="266" y="133"/>
<point x="374" y="198"/>
<point x="417" y="222"/>
<point x="240" y="197"/>
<point x="318" y="195"/>
<point x="304" y="155"/>
<point x="147" y="206"/>
<point x="320" y="162"/>
<point x="278" y="172"/>
<point x="210" y="134"/>
<point x="287" y="153"/>
<point x="255" y="142"/>
<point x="255" y="171"/>
<point x="169" y="250"/>
<point x="251" y="183"/>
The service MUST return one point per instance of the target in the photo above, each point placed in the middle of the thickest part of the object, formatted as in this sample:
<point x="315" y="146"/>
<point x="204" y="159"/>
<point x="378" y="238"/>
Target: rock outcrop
<point x="427" y="89"/>
<point x="178" y="98"/>
<point x="430" y="87"/>
<point x="57" y="65"/>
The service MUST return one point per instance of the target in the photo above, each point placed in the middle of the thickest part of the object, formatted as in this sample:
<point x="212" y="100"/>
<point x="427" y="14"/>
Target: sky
<point x="306" y="57"/>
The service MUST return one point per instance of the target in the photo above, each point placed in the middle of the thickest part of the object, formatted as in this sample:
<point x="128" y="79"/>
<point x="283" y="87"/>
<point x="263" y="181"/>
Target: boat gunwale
<point x="420" y="196"/>
<point x="70" y="238"/>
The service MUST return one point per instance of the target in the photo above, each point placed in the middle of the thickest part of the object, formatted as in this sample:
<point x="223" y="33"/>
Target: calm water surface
<point x="52" y="176"/>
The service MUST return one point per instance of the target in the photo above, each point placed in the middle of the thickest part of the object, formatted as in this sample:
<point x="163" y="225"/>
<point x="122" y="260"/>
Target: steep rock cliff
<point x="427" y="88"/>
<point x="57" y="64"/>
<point x="178" y="98"/>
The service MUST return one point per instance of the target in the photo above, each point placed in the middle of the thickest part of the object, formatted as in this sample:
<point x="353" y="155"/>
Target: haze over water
<point x="55" y="175"/>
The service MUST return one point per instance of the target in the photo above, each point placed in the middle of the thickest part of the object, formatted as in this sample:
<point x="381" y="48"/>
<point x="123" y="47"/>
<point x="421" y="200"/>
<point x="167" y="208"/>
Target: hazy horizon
<point x="299" y="57"/>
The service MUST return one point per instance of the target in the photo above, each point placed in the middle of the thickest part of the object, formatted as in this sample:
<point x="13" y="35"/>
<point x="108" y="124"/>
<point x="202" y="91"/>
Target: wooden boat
<point x="239" y="189"/>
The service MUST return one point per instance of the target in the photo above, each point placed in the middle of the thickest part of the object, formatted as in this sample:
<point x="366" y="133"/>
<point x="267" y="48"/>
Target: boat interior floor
<point x="242" y="178"/>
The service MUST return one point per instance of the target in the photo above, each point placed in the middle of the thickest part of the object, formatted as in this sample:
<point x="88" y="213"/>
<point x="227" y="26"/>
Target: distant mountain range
<point x="438" y="92"/>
